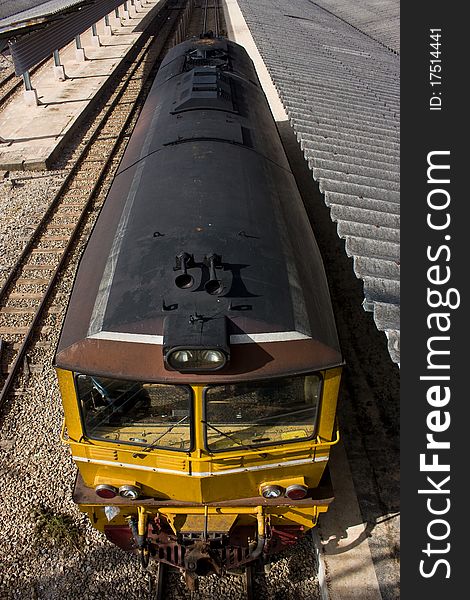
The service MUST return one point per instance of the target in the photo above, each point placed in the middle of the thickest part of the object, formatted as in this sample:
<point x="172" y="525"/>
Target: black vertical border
<point x="424" y="131"/>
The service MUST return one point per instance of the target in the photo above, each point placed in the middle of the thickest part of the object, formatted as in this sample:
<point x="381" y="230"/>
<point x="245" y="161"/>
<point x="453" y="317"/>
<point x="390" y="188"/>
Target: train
<point x="198" y="362"/>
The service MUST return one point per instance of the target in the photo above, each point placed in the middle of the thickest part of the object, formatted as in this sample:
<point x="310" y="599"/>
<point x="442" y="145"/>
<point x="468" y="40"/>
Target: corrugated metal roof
<point x="340" y="88"/>
<point x="16" y="11"/>
<point x="28" y="50"/>
<point x="379" y="19"/>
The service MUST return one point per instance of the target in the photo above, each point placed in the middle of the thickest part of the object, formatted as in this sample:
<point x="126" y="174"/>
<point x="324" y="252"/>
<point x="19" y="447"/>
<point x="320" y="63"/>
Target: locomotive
<point x="198" y="363"/>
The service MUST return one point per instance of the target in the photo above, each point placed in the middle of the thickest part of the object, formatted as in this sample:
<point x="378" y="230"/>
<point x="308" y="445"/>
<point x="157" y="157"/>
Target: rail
<point x="215" y="20"/>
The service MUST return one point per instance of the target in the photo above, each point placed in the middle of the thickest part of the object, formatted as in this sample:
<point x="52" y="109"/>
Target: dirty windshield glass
<point x="147" y="414"/>
<point x="262" y="413"/>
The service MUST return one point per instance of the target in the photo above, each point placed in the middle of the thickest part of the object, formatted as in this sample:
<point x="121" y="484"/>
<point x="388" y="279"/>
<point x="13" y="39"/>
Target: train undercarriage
<point x="200" y="540"/>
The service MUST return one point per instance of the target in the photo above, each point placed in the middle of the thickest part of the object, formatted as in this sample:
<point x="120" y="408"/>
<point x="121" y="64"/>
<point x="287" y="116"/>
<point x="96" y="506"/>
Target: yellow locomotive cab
<point x="201" y="432"/>
<point x="182" y="447"/>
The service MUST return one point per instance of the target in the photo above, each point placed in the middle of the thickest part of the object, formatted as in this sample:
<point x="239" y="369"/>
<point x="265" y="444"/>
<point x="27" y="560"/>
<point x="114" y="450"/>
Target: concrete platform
<point x="238" y="31"/>
<point x="35" y="133"/>
<point x="350" y="573"/>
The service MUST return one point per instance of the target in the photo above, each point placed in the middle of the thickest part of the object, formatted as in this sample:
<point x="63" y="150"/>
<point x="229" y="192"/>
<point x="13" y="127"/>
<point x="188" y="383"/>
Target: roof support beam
<point x="95" y="38"/>
<point x="79" y="50"/>
<point x="107" y="26"/>
<point x="59" y="71"/>
<point x="30" y="95"/>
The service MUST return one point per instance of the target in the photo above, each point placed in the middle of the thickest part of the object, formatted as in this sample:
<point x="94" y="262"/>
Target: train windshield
<point x="146" y="414"/>
<point x="261" y="413"/>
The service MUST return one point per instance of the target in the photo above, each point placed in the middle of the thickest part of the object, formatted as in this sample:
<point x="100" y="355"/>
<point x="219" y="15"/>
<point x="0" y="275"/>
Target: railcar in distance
<point x="199" y="363"/>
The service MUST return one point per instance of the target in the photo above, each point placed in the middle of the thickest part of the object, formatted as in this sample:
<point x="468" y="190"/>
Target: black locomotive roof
<point x="204" y="174"/>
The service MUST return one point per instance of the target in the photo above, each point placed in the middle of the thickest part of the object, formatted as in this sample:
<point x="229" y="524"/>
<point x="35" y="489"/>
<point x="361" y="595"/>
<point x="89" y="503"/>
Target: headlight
<point x="271" y="491"/>
<point x="213" y="357"/>
<point x="181" y="357"/>
<point x="130" y="492"/>
<point x="193" y="343"/>
<point x="195" y="359"/>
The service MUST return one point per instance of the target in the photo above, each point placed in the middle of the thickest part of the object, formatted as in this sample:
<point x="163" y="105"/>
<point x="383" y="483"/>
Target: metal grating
<point x="340" y="89"/>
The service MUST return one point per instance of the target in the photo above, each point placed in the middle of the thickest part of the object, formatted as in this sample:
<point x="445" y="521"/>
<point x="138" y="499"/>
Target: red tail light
<point x="296" y="492"/>
<point x="106" y="491"/>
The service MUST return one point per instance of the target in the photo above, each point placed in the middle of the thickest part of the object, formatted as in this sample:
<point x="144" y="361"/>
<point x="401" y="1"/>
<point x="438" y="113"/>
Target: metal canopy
<point x="20" y="14"/>
<point x="30" y="44"/>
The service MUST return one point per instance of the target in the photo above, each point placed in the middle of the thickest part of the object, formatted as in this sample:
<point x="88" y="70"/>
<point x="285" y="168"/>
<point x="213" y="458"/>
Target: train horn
<point x="184" y="261"/>
<point x="213" y="286"/>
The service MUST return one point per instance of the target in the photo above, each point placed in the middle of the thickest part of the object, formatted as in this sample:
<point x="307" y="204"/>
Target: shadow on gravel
<point x="94" y="574"/>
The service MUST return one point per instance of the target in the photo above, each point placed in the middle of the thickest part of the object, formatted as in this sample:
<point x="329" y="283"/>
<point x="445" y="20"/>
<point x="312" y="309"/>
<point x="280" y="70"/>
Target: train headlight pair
<point x="195" y="343"/>
<point x="196" y="359"/>
<point x="293" y="492"/>
<point x="105" y="491"/>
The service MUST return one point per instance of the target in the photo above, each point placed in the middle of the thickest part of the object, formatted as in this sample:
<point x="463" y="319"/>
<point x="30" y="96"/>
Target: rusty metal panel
<point x="203" y="195"/>
<point x="29" y="49"/>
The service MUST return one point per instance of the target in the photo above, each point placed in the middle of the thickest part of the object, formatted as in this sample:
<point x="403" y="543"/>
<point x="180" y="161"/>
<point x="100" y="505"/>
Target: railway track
<point x="207" y="18"/>
<point x="292" y="574"/>
<point x="159" y="583"/>
<point x="211" y="17"/>
<point x="258" y="581"/>
<point x="26" y="294"/>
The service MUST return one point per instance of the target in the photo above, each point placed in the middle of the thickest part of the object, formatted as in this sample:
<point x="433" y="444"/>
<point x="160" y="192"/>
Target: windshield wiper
<point x="232" y="439"/>
<point x="152" y="445"/>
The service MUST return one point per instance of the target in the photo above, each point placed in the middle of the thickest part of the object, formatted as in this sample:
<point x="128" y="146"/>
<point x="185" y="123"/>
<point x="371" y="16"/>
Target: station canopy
<point x="34" y="29"/>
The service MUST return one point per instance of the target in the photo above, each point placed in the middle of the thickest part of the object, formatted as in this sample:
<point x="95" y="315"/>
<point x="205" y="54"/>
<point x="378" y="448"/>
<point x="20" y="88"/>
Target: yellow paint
<point x="326" y="425"/>
<point x="70" y="404"/>
<point x="142" y="522"/>
<point x="260" y="520"/>
<point x="292" y="435"/>
<point x="200" y="477"/>
<point x="100" y="479"/>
